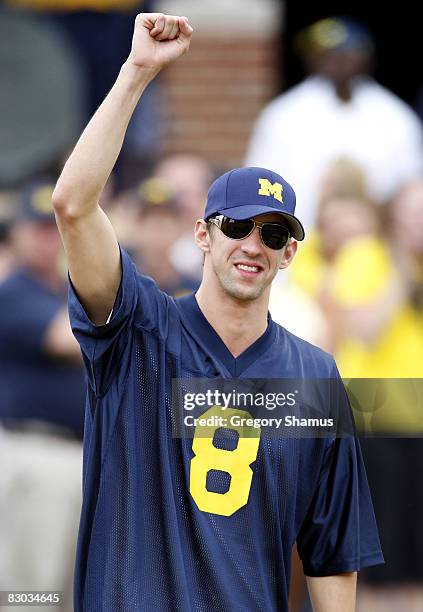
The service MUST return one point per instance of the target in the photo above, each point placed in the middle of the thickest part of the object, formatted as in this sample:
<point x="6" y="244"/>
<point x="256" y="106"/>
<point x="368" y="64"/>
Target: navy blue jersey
<point x="144" y="543"/>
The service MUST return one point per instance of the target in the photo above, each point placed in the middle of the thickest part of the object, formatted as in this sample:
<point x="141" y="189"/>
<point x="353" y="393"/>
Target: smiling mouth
<point x="248" y="269"/>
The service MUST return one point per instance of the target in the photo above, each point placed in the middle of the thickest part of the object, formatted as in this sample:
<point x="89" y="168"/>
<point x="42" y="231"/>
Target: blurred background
<point x="333" y="102"/>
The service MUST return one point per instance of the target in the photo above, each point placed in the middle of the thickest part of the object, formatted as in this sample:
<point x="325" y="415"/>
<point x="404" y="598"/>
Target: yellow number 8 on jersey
<point x="235" y="462"/>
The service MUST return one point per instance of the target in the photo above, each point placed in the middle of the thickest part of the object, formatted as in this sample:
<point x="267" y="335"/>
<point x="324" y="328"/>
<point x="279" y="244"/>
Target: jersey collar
<point x="205" y="334"/>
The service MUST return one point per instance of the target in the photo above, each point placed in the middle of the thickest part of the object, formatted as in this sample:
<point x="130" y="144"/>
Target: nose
<point x="252" y="245"/>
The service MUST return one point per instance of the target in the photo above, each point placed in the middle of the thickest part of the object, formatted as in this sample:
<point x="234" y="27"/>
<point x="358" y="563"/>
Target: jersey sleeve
<point x="339" y="532"/>
<point x="105" y="348"/>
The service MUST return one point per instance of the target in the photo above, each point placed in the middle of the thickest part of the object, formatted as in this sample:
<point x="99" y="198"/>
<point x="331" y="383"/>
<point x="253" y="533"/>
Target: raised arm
<point x="89" y="239"/>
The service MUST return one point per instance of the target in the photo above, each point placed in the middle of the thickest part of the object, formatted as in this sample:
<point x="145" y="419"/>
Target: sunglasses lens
<point x="236" y="229"/>
<point x="274" y="236"/>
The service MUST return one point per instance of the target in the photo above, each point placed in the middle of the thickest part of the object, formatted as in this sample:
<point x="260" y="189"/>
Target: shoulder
<point x="308" y="348"/>
<point x="376" y="94"/>
<point x="140" y="304"/>
<point x="13" y="282"/>
<point x="310" y="360"/>
<point x="20" y="284"/>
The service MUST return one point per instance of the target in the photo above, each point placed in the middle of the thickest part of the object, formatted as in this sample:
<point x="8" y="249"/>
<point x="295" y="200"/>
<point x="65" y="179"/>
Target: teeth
<point x="247" y="268"/>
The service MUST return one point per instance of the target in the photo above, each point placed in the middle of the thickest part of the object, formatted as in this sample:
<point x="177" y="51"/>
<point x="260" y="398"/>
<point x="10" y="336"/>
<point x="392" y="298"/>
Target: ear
<point x="202" y="235"/>
<point x="288" y="254"/>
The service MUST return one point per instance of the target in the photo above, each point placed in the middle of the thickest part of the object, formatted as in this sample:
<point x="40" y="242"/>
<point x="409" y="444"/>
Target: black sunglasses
<point x="273" y="235"/>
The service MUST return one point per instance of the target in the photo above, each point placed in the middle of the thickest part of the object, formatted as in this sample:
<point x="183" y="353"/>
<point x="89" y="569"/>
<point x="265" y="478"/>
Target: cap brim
<point x="245" y="212"/>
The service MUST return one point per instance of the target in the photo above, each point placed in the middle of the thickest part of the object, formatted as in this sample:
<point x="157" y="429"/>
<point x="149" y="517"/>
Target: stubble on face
<point x="244" y="290"/>
<point x="236" y="289"/>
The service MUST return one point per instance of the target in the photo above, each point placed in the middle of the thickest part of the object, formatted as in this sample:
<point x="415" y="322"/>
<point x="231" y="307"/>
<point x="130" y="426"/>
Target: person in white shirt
<point x="339" y="110"/>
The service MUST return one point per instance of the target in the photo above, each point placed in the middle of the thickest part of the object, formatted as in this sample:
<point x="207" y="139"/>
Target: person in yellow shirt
<point x="406" y="232"/>
<point x="366" y="275"/>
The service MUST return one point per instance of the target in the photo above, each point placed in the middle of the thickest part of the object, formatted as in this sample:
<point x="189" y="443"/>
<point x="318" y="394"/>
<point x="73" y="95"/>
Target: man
<point x="155" y="227"/>
<point x="42" y="398"/>
<point x="176" y="524"/>
<point x="190" y="176"/>
<point x="338" y="110"/>
<point x="36" y="341"/>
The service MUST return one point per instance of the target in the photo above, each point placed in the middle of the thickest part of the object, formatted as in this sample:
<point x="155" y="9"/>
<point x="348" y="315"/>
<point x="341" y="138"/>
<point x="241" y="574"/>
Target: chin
<point x="243" y="294"/>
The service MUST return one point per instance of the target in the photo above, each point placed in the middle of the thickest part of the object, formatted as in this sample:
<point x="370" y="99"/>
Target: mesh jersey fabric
<point x="143" y="544"/>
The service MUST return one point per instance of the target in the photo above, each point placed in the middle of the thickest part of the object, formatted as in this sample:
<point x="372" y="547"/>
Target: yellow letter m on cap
<point x="271" y="189"/>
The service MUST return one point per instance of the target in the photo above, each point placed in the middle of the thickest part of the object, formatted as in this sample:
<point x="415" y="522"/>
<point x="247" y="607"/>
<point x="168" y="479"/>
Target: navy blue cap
<point x="247" y="192"/>
<point x="335" y="34"/>
<point x="35" y="201"/>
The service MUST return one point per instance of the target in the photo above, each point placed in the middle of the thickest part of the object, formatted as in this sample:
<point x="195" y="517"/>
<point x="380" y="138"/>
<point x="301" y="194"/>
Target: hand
<point x="159" y="40"/>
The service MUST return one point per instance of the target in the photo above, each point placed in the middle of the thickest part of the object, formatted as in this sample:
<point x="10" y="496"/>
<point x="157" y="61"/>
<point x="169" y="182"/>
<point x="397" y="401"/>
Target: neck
<point x="239" y="323"/>
<point x="343" y="91"/>
<point x="343" y="88"/>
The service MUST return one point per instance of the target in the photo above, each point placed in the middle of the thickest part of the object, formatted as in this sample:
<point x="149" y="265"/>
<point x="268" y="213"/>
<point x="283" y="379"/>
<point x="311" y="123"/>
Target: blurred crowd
<point x="354" y="154"/>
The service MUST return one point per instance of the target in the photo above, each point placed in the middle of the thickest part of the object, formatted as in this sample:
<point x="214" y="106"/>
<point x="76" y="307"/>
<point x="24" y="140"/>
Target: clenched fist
<point x="159" y="39"/>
